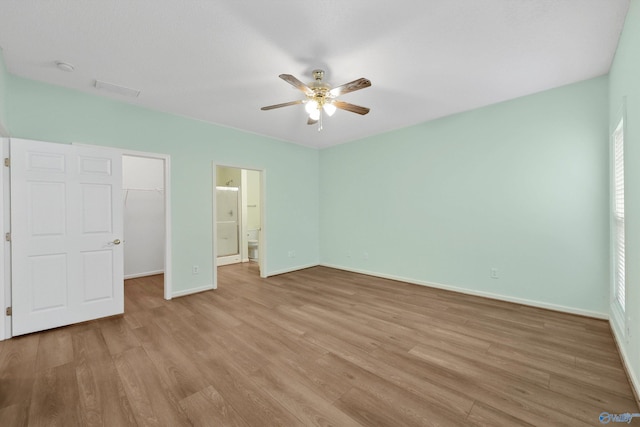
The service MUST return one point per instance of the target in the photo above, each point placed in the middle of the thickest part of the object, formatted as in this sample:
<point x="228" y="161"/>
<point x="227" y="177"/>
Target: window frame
<point x="617" y="310"/>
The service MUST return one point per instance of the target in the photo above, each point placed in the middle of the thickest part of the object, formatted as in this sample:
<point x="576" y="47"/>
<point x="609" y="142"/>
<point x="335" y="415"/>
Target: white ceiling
<point x="219" y="60"/>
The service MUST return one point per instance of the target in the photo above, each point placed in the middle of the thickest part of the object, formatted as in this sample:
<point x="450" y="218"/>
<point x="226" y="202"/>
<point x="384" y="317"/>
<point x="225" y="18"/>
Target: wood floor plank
<point x="527" y="402"/>
<point x="324" y="380"/>
<point x="208" y="408"/>
<point x="479" y="368"/>
<point x="485" y="415"/>
<point x="55" y="398"/>
<point x="309" y="407"/>
<point x="594" y="396"/>
<point x="253" y="404"/>
<point x="19" y="351"/>
<point x="89" y="347"/>
<point x="17" y="369"/>
<point x="353" y="337"/>
<point x="314" y="347"/>
<point x="609" y="379"/>
<point x="101" y="393"/>
<point x="151" y="404"/>
<point x="394" y="408"/>
<point x="377" y="377"/>
<point x="173" y="366"/>
<point x="118" y="336"/>
<point x="54" y="349"/>
<point x="15" y="415"/>
<point x="102" y="399"/>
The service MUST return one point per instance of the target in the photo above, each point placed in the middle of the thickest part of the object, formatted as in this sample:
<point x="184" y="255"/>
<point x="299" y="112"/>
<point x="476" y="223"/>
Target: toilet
<point x="252" y="237"/>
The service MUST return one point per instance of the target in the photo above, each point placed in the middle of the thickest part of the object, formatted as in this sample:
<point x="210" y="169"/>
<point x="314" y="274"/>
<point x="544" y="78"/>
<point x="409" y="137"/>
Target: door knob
<point x="116" y="242"/>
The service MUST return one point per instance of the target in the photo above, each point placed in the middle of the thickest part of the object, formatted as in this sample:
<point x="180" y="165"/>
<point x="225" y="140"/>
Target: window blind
<point x="618" y="214"/>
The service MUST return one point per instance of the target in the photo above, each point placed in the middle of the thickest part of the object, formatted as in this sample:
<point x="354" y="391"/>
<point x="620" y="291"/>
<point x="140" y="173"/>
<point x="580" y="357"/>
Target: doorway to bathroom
<point x="238" y="216"/>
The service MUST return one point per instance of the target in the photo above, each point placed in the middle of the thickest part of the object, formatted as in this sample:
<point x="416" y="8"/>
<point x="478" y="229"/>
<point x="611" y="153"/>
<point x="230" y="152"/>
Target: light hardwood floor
<point x="314" y="347"/>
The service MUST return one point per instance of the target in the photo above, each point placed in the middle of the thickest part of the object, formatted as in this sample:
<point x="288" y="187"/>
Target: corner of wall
<point x="624" y="88"/>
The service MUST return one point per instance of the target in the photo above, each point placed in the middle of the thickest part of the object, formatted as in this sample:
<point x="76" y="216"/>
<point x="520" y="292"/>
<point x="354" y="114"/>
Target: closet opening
<point x="145" y="183"/>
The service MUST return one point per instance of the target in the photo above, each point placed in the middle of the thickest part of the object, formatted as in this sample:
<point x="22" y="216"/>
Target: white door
<point x="66" y="216"/>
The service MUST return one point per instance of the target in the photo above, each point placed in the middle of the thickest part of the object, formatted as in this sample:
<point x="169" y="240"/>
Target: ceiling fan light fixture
<point x="329" y="108"/>
<point x="320" y="96"/>
<point x="315" y="114"/>
<point x="311" y="106"/>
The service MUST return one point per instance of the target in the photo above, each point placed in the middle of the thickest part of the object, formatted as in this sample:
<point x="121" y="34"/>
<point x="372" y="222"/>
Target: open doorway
<point x="146" y="211"/>
<point x="238" y="216"/>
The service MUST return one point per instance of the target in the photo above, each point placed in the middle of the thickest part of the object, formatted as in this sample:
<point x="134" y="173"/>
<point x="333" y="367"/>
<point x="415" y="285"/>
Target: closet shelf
<point x="126" y="190"/>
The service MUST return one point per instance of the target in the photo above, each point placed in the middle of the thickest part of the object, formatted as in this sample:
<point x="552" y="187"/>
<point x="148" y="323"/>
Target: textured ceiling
<point x="219" y="61"/>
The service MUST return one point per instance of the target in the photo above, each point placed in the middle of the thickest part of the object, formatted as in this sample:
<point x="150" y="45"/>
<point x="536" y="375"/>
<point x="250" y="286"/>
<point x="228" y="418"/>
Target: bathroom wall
<point x="144" y="216"/>
<point x="253" y="200"/>
<point x="226" y="174"/>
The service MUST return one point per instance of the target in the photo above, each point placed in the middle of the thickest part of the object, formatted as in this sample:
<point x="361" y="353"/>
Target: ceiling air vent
<point x="121" y="90"/>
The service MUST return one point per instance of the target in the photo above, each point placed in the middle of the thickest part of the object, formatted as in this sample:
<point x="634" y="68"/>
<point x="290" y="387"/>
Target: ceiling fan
<point x="320" y="97"/>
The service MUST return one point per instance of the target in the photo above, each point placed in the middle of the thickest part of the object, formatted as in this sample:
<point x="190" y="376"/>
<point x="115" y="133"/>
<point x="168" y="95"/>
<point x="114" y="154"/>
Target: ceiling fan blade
<point x="361" y="83"/>
<point x="297" y="84"/>
<point x="310" y="121"/>
<point x="351" y="107"/>
<point x="285" y="104"/>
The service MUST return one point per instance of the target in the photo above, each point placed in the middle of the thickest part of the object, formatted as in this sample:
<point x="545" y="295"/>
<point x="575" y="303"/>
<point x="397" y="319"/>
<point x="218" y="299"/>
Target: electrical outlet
<point x="365" y="255"/>
<point x="494" y="273"/>
<point x="292" y="254"/>
<point x="195" y="269"/>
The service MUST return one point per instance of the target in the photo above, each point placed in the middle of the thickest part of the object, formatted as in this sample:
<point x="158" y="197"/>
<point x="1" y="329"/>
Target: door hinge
<point x="9" y="311"/>
<point x="7" y="162"/>
<point x="7" y="237"/>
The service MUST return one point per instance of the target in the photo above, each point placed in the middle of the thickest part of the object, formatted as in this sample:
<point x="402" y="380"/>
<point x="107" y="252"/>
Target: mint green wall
<point x="3" y="84"/>
<point x="625" y="82"/>
<point x="520" y="186"/>
<point x="50" y="113"/>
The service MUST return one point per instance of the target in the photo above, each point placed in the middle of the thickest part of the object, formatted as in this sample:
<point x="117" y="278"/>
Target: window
<point x="618" y="214"/>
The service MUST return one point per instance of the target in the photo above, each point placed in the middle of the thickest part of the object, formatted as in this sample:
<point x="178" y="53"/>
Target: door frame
<point x="5" y="252"/>
<point x="168" y="288"/>
<point x="84" y="186"/>
<point x="262" y="241"/>
<point x="5" y="248"/>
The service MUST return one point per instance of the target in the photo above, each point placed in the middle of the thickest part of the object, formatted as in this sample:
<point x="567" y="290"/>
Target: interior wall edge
<point x="499" y="297"/>
<point x="144" y="274"/>
<point x="4" y="133"/>
<point x="185" y="292"/>
<point x="626" y="363"/>
<point x="290" y="269"/>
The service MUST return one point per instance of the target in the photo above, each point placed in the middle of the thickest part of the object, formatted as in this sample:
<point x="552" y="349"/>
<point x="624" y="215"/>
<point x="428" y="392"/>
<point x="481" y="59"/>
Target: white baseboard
<point x="186" y="292"/>
<point x="532" y="303"/>
<point x="227" y="260"/>
<point x="290" y="270"/>
<point x="148" y="273"/>
<point x="618" y="337"/>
